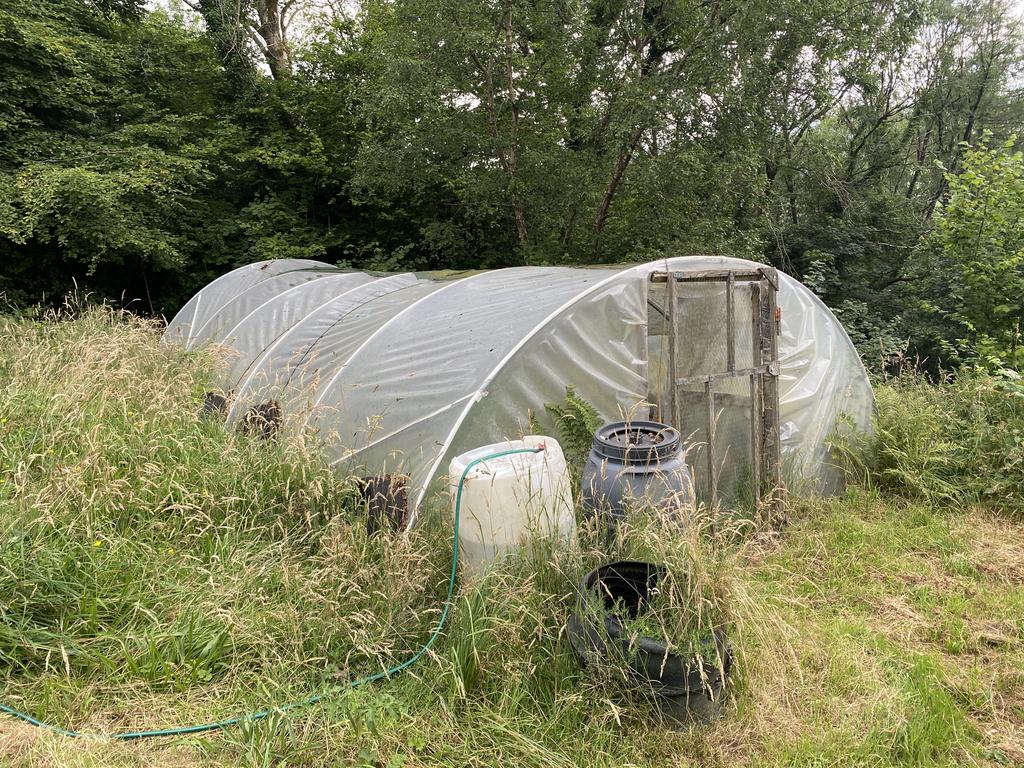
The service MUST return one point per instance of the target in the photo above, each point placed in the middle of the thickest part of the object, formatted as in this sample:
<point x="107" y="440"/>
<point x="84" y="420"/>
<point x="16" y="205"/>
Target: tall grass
<point x="157" y="569"/>
<point x="956" y="442"/>
<point x="150" y="548"/>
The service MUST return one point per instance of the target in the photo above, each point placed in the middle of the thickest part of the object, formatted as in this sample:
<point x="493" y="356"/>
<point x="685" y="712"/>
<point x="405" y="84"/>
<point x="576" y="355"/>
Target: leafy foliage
<point x="978" y="250"/>
<point x="144" y="152"/>
<point x="97" y="176"/>
<point x="576" y="421"/>
<point x="958" y="442"/>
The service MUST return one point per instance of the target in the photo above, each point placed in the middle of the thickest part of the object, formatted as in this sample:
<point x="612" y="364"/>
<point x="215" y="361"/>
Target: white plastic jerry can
<point x="507" y="500"/>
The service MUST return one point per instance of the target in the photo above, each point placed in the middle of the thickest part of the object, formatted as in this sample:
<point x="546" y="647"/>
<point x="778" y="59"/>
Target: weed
<point x="576" y="421"/>
<point x="953" y="443"/>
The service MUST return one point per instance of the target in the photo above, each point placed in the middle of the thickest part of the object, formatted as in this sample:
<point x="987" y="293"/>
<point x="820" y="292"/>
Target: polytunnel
<point x="398" y="373"/>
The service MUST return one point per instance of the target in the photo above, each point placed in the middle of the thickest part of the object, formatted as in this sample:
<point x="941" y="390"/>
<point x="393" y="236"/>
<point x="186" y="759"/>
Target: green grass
<point x="157" y="570"/>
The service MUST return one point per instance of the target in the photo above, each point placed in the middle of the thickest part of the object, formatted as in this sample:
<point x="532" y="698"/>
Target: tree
<point x="865" y="178"/>
<point x="91" y="173"/>
<point x="977" y="250"/>
<point x="531" y="120"/>
<point x="236" y="26"/>
<point x="145" y="152"/>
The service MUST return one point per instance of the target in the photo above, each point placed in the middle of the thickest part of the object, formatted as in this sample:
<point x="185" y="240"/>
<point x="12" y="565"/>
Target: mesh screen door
<point x="713" y="356"/>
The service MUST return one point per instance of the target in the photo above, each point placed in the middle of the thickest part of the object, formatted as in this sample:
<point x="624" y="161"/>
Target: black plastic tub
<point x="685" y="690"/>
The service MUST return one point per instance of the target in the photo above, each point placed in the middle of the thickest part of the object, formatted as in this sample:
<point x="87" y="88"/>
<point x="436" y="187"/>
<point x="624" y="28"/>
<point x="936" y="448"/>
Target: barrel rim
<point x="668" y="446"/>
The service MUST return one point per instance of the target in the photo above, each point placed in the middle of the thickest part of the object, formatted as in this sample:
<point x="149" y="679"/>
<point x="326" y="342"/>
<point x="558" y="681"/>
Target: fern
<point x="576" y="421"/>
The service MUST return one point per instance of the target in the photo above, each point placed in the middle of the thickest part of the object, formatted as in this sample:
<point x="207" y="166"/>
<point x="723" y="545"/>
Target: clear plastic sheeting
<point x="293" y="360"/>
<point x="822" y="386"/>
<point x="262" y="326"/>
<point x="434" y="356"/>
<point x="205" y="304"/>
<point x="220" y="327"/>
<point x="294" y="370"/>
<point x="399" y="373"/>
<point x="594" y="343"/>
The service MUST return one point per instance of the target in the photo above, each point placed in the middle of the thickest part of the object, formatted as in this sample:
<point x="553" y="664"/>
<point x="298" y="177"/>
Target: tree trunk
<point x="271" y="31"/>
<point x="613" y="184"/>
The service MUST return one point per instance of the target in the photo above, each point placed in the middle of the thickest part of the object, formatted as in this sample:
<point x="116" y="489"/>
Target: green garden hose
<point x="358" y="683"/>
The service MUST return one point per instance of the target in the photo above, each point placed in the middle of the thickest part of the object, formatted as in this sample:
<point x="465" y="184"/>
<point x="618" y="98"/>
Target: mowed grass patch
<point x="158" y="570"/>
<point x="910" y="648"/>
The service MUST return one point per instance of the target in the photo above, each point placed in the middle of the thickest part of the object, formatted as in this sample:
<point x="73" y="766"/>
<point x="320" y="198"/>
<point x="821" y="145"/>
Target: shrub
<point x="960" y="441"/>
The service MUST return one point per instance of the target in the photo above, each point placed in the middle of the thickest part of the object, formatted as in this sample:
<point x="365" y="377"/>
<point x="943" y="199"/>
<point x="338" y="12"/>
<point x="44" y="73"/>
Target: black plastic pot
<point x="685" y="690"/>
<point x="215" y="404"/>
<point x="262" y="420"/>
